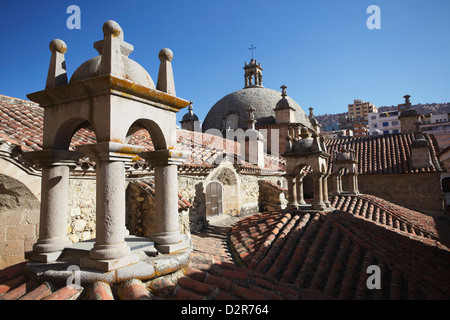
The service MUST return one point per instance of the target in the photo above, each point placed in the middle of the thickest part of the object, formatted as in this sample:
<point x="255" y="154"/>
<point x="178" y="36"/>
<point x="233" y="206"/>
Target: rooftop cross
<point x="252" y="48"/>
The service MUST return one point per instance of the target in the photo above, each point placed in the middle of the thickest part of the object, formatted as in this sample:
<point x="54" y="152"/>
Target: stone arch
<point x="19" y="218"/>
<point x="32" y="182"/>
<point x="14" y="194"/>
<point x="230" y="181"/>
<point x="346" y="179"/>
<point x="68" y="129"/>
<point x="158" y="140"/>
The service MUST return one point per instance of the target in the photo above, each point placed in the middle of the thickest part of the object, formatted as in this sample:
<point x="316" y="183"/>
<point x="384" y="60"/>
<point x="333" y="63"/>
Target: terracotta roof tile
<point x="384" y="154"/>
<point x="331" y="253"/>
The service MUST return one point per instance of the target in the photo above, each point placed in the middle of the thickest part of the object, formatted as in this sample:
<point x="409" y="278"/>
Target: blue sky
<point x="321" y="50"/>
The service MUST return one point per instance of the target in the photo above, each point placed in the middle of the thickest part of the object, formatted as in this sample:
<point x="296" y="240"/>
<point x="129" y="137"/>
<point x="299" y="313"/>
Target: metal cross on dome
<point x="252" y="48"/>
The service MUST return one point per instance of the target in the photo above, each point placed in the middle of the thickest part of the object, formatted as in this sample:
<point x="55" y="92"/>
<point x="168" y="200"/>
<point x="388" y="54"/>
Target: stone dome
<point x="263" y="100"/>
<point x="189" y="117"/>
<point x="132" y="70"/>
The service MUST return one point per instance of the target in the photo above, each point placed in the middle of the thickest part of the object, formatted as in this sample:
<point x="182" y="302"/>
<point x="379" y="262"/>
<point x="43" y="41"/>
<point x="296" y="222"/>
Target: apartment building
<point x="360" y="109"/>
<point x="383" y="123"/>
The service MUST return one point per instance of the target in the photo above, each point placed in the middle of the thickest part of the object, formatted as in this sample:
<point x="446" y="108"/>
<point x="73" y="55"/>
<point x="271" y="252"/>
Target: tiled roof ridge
<point x="385" y="154"/>
<point x="16" y="101"/>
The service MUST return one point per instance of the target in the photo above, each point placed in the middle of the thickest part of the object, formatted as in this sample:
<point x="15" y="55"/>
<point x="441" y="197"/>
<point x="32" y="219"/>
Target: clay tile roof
<point x="331" y="252"/>
<point x="385" y="154"/>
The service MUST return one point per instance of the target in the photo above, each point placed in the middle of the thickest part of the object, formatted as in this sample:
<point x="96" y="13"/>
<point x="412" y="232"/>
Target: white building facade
<point x="383" y="123"/>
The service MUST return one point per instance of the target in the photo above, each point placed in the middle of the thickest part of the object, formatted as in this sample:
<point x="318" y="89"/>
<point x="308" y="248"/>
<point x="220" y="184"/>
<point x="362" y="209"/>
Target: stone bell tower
<point x="113" y="96"/>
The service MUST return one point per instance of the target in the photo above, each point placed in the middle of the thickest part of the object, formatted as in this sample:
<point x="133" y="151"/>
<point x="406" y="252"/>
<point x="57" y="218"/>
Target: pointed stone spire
<point x="57" y="74"/>
<point x="165" y="76"/>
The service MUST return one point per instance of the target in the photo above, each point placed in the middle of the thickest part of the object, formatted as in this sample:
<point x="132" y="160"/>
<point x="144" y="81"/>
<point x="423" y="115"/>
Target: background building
<point x="360" y="109"/>
<point x="383" y="123"/>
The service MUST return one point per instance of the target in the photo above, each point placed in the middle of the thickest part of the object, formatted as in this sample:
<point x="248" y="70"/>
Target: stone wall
<point x="19" y="220"/>
<point x="271" y="196"/>
<point x="191" y="188"/>
<point x="420" y="191"/>
<point x="140" y="211"/>
<point x="249" y="194"/>
<point x="81" y="218"/>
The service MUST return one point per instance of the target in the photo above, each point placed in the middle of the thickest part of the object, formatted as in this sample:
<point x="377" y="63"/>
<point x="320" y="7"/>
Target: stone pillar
<point x="325" y="190"/>
<point x="338" y="178"/>
<point x="299" y="185"/>
<point x="54" y="203"/>
<point x="167" y="236"/>
<point x="318" y="191"/>
<point x="354" y="183"/>
<point x="292" y="191"/>
<point x="110" y="250"/>
<point x="110" y="211"/>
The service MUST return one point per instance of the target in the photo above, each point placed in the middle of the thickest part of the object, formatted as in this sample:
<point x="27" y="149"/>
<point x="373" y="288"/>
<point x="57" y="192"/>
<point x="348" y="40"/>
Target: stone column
<point x="167" y="236"/>
<point x="292" y="191"/>
<point x="325" y="190"/>
<point x="110" y="250"/>
<point x="318" y="191"/>
<point x="338" y="180"/>
<point x="354" y="183"/>
<point x="54" y="209"/>
<point x="299" y="185"/>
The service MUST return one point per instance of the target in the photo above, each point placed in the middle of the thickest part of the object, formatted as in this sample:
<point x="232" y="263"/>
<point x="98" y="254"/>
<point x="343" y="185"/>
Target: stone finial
<point x="112" y="48"/>
<point x="311" y="114"/>
<point x="111" y="27"/>
<point x="288" y="145"/>
<point x="304" y="133"/>
<point x="251" y="118"/>
<point x="407" y="101"/>
<point x="57" y="74"/>
<point x="283" y="91"/>
<point x="166" y="81"/>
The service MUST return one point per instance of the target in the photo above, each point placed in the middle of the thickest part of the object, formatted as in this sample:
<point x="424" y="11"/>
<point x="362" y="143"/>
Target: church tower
<point x="253" y="74"/>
